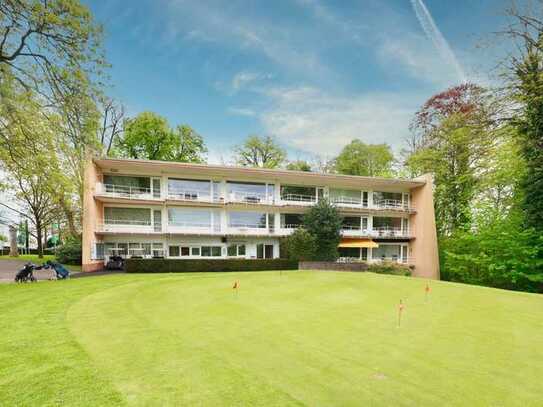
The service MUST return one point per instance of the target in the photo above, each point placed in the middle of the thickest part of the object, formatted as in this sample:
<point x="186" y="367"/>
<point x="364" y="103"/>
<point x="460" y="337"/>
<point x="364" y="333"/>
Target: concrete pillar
<point x="92" y="213"/>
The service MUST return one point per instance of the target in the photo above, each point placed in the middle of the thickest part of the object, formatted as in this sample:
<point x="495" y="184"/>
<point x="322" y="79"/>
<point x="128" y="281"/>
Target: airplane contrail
<point x="432" y="32"/>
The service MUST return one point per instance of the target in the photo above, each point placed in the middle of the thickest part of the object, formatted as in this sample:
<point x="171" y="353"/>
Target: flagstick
<point x="400" y="309"/>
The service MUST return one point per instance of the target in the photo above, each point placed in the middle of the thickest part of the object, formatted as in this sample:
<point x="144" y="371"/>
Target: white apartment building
<point x="139" y="208"/>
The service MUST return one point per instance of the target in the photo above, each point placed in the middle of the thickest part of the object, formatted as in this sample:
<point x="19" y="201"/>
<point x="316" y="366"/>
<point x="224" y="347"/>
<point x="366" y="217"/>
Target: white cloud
<point x="245" y="78"/>
<point x="241" y="111"/>
<point x="311" y="120"/>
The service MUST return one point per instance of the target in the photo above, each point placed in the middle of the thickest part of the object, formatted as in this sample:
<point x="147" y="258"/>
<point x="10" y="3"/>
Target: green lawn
<point x="300" y="338"/>
<point x="35" y="259"/>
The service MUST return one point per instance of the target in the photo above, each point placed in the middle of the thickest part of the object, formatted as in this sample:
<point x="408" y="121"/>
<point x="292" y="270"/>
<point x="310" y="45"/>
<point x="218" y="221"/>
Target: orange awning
<point x="368" y="243"/>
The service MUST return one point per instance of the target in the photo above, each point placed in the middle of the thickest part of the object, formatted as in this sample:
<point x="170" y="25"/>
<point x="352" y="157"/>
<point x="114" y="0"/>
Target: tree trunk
<point x="13" y="251"/>
<point x="39" y="233"/>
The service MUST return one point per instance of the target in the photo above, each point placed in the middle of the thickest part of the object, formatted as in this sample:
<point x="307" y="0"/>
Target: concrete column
<point x="92" y="211"/>
<point x="424" y="247"/>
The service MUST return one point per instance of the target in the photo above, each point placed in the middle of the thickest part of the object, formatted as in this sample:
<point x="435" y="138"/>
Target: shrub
<point x="207" y="265"/>
<point x="69" y="252"/>
<point x="300" y="245"/>
<point x="388" y="267"/>
<point x="323" y="221"/>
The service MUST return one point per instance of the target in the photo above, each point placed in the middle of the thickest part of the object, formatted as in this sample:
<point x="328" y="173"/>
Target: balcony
<point x="390" y="232"/>
<point x="392" y="205"/>
<point x="128" y="192"/>
<point x="298" y="199"/>
<point x="249" y="229"/>
<point x="249" y="198"/>
<point x="193" y="228"/>
<point x="128" y="226"/>
<point x="393" y="259"/>
<point x="193" y="196"/>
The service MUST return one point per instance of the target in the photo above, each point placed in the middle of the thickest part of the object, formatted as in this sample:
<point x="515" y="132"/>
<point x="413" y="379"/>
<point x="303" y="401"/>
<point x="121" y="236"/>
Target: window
<point x="345" y="196"/>
<point x="291" y="220"/>
<point x="127" y="185"/>
<point x="127" y="216"/>
<point x="188" y="189"/>
<point x="393" y="199"/>
<point x="156" y="187"/>
<point x="158" y="250"/>
<point x="298" y="193"/>
<point x="364" y="223"/>
<point x="264" y="251"/>
<point x="246" y="191"/>
<point x="122" y="249"/>
<point x="350" y="252"/>
<point x="386" y="252"/>
<point x="234" y="250"/>
<point x="135" y="250"/>
<point x="98" y="251"/>
<point x="351" y="223"/>
<point x="211" y="251"/>
<point x="268" y="251"/>
<point x="189" y="217"/>
<point x="195" y="251"/>
<point x="247" y="219"/>
<point x="386" y="222"/>
<point x="260" y="251"/>
<point x="185" y="251"/>
<point x="146" y="249"/>
<point x="174" y="251"/>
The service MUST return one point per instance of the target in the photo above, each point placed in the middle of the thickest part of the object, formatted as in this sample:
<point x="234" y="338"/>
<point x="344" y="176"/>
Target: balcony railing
<point x="387" y="231"/>
<point x="299" y="199"/>
<point x="349" y="201"/>
<point x="125" y="191"/>
<point x="193" y="196"/>
<point x="392" y="204"/>
<point x="193" y="227"/>
<point x="249" y="198"/>
<point x="393" y="259"/>
<point x="129" y="226"/>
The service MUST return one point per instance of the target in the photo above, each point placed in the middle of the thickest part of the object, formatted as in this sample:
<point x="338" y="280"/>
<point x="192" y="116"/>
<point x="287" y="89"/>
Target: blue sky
<point x="313" y="73"/>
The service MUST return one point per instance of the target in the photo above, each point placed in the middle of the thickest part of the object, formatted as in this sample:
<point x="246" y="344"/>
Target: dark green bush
<point x="300" y="245"/>
<point x="69" y="252"/>
<point x="206" y="265"/>
<point x="390" y="268"/>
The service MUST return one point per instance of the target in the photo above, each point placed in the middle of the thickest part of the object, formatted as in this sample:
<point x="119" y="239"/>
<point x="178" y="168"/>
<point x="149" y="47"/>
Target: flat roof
<point x="152" y="167"/>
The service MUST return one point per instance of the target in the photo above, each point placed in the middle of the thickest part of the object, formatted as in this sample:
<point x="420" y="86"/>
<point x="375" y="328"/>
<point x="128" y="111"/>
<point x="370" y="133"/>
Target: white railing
<point x="124" y="191"/>
<point x="128" y="226"/>
<point x="386" y="231"/>
<point x="249" y="198"/>
<point x="349" y="201"/>
<point x="299" y="199"/>
<point x="392" y="204"/>
<point x="393" y="259"/>
<point x="249" y="229"/>
<point x="193" y="227"/>
<point x="192" y="195"/>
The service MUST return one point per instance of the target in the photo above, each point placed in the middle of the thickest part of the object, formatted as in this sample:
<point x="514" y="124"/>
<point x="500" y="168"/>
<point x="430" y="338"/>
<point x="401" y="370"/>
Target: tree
<point x="299" y="165"/>
<point x="261" y="152"/>
<point x="51" y="47"/>
<point x="301" y="245"/>
<point x="359" y="158"/>
<point x="3" y="238"/>
<point x="526" y="88"/>
<point x="148" y="136"/>
<point x="323" y="222"/>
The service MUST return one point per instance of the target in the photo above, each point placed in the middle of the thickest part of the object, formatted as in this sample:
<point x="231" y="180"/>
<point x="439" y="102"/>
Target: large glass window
<point x="387" y="197"/>
<point x="291" y="220"/>
<point x="247" y="219"/>
<point x="350" y="252"/>
<point x="345" y="196"/>
<point x="174" y="251"/>
<point x="246" y="192"/>
<point x="298" y="193"/>
<point x="351" y="223"/>
<point x="127" y="216"/>
<point x="189" y="189"/>
<point x="126" y="184"/>
<point x="211" y="251"/>
<point x="386" y="252"/>
<point x="189" y="217"/>
<point x="386" y="222"/>
<point x="236" y="250"/>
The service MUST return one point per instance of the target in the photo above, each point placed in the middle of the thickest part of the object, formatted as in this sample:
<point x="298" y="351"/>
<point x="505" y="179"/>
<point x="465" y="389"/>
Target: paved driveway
<point x="8" y="269"/>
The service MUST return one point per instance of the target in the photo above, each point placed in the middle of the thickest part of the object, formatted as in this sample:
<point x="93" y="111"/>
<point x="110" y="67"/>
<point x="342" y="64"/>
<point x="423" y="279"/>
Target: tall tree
<point x="323" y="222"/>
<point x="359" y="158"/>
<point x="526" y="86"/>
<point x="149" y="136"/>
<point x="263" y="152"/>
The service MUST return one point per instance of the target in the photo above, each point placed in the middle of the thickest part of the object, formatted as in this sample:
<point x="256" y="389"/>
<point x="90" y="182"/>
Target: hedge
<point x="206" y="265"/>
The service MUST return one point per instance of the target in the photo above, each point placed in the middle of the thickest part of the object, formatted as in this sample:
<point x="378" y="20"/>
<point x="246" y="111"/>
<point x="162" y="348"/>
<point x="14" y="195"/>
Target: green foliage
<point x="359" y="158"/>
<point x="3" y="238"/>
<point x="204" y="265"/>
<point x="148" y="136"/>
<point x="263" y="152"/>
<point x="501" y="254"/>
<point x="387" y="267"/>
<point x="69" y="252"/>
<point x="299" y="165"/>
<point x="300" y="245"/>
<point x="323" y="222"/>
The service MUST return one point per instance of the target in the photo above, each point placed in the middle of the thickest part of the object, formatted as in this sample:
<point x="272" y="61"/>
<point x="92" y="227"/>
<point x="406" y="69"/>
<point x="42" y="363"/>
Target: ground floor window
<point x="174" y="251"/>
<point x="235" y="250"/>
<point x="195" y="251"/>
<point x="360" y="253"/>
<point x="132" y="249"/>
<point x="211" y="251"/>
<point x="99" y="251"/>
<point x="264" y="251"/>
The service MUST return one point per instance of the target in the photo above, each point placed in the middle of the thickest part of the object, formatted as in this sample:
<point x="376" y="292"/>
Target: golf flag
<point x="236" y="285"/>
<point x="426" y="291"/>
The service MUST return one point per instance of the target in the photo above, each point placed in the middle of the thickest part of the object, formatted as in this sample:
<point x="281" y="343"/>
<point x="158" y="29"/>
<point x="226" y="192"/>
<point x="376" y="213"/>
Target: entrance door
<point x="268" y="251"/>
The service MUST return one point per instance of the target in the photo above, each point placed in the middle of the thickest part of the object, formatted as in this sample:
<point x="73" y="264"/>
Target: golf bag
<point x="115" y="263"/>
<point x="26" y="274"/>
<point x="60" y="271"/>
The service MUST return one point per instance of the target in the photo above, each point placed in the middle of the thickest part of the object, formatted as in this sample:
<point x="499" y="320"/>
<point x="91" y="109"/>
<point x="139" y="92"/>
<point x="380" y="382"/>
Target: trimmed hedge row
<point x="205" y="265"/>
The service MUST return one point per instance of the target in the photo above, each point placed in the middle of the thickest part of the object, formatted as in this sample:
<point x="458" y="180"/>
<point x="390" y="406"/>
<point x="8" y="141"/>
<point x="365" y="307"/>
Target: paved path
<point x="8" y="269"/>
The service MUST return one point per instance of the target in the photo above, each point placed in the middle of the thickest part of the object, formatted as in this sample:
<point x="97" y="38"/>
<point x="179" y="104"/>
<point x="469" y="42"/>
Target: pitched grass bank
<point x="295" y="338"/>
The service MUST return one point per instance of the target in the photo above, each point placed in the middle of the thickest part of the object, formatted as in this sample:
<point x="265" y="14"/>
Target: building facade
<point x="139" y="208"/>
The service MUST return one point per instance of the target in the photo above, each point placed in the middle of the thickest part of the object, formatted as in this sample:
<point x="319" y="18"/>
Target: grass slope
<point x="300" y="338"/>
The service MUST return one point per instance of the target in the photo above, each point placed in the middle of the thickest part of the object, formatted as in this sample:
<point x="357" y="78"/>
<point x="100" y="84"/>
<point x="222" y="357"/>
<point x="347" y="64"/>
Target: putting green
<point x="300" y="338"/>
